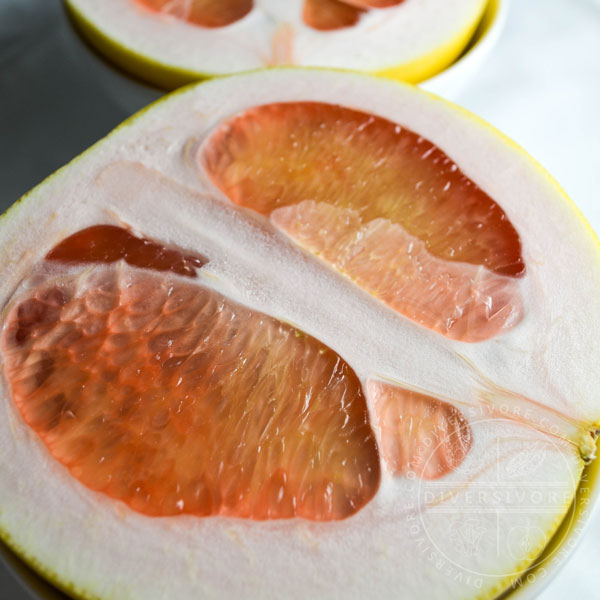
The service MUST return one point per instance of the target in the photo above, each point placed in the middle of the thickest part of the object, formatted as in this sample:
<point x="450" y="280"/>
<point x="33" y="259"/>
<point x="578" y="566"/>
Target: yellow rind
<point x="588" y="481"/>
<point x="437" y="60"/>
<point x="170" y="77"/>
<point x="491" y="13"/>
<point x="589" y="476"/>
<point x="165" y="76"/>
<point x="504" y="588"/>
<point x="587" y="493"/>
<point x="52" y="578"/>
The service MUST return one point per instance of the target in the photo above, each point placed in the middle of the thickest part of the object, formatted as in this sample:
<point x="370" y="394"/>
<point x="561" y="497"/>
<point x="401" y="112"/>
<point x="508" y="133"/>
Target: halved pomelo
<point x="297" y="334"/>
<point x="171" y="42"/>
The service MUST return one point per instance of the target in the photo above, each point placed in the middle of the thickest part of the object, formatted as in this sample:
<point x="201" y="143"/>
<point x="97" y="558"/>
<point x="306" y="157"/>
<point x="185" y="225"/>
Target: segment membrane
<point x="174" y="399"/>
<point x="381" y="204"/>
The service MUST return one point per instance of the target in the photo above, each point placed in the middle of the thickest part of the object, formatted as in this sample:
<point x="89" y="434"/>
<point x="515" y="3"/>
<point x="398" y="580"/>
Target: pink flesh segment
<point x="419" y="434"/>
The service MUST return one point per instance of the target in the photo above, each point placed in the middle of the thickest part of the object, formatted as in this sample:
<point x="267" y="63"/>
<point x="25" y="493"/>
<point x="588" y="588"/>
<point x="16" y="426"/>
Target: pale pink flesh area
<point x="419" y="434"/>
<point x="461" y="301"/>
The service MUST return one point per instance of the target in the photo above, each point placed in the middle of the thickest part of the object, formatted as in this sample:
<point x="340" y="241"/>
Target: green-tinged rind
<point x="573" y="524"/>
<point x="561" y="526"/>
<point x="49" y="576"/>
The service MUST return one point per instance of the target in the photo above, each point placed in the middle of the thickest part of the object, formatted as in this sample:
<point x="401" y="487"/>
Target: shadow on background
<point x="57" y="97"/>
<point x="19" y="582"/>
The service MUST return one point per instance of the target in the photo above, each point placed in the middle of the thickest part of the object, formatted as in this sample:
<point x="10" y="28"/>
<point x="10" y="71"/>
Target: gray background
<point x="541" y="86"/>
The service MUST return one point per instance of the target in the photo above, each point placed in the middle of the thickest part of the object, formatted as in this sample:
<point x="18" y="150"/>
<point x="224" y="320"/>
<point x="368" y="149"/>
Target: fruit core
<point x="380" y="204"/>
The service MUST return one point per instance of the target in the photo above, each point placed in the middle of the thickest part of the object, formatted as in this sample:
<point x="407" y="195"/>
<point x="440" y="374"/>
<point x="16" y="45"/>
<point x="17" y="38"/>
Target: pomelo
<point x="172" y="42"/>
<point x="295" y="334"/>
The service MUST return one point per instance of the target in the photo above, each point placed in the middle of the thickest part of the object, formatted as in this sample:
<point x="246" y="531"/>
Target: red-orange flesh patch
<point x="326" y="15"/>
<point x="374" y="3"/>
<point x="108" y="244"/>
<point x="419" y="434"/>
<point x="174" y="399"/>
<point x="206" y="13"/>
<point x="382" y="205"/>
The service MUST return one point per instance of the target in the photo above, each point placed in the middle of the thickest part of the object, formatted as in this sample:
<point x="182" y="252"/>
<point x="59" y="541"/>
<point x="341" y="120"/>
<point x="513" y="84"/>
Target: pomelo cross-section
<point x="295" y="333"/>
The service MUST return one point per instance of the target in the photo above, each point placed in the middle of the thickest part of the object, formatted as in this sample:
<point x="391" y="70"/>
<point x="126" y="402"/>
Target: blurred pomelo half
<point x="295" y="334"/>
<point x="173" y="42"/>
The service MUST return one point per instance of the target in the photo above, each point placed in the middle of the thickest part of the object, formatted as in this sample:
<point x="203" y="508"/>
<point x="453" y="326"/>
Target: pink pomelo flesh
<point x="323" y="15"/>
<point x="206" y="13"/>
<point x="172" y="398"/>
<point x="419" y="434"/>
<point x="108" y="244"/>
<point x="382" y="205"/>
<point x="326" y="15"/>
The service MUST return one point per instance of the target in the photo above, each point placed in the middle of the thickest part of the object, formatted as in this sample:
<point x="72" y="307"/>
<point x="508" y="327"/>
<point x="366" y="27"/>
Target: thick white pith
<point x="274" y="33"/>
<point x="547" y="360"/>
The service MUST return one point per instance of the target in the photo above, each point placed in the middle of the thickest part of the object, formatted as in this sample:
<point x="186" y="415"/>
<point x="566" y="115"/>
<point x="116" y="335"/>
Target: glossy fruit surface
<point x="203" y="375"/>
